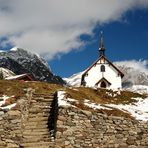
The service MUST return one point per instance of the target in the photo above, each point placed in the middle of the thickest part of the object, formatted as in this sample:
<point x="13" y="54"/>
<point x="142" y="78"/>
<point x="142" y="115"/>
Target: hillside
<point x="39" y="114"/>
<point x="81" y="95"/>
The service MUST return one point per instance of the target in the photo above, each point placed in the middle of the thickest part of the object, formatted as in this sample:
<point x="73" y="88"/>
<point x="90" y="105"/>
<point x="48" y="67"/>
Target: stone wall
<point x="74" y="128"/>
<point x="12" y="122"/>
<point x="10" y="129"/>
<point x="79" y="128"/>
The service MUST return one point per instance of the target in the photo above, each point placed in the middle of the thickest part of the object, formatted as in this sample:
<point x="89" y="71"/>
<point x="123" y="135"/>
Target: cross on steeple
<point x="102" y="49"/>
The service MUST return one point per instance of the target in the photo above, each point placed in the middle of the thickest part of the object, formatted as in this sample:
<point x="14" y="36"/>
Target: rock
<point x="12" y="145"/>
<point x="14" y="113"/>
<point x="1" y="113"/>
<point x="67" y="143"/>
<point x="68" y="132"/>
<point x="132" y="146"/>
<point x="88" y="113"/>
<point x="131" y="141"/>
<point x="2" y="143"/>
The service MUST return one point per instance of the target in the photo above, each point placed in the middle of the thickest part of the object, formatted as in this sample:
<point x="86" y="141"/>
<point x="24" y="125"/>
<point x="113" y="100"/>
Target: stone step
<point x="38" y="115"/>
<point x="36" y="123"/>
<point x="35" y="133"/>
<point x="38" y="119"/>
<point x="35" y="94"/>
<point x="36" y="137"/>
<point x="41" y="104"/>
<point x="2" y="144"/>
<point x="49" y="146"/>
<point x="36" y="126"/>
<point x="37" y="130"/>
<point x="41" y="107"/>
<point x="39" y="144"/>
<point x="43" y="98"/>
<point x="36" y="140"/>
<point x="38" y="110"/>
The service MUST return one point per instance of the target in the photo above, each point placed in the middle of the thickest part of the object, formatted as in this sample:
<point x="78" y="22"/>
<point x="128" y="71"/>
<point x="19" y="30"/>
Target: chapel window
<point x="102" y="68"/>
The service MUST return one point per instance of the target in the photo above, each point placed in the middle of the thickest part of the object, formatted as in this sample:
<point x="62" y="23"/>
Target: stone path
<point x="36" y="132"/>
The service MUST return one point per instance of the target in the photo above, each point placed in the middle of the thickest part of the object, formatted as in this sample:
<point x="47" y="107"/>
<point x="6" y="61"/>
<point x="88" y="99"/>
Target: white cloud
<point x="50" y="27"/>
<point x="141" y="65"/>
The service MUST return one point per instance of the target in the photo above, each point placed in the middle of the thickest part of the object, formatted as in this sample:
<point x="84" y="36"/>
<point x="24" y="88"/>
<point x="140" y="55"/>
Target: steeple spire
<point x="102" y="49"/>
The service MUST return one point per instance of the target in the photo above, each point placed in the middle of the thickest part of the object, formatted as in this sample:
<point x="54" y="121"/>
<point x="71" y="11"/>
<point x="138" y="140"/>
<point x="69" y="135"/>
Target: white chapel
<point x="102" y="73"/>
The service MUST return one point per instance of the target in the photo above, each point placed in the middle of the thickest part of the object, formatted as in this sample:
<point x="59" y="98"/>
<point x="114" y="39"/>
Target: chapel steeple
<point x="102" y="49"/>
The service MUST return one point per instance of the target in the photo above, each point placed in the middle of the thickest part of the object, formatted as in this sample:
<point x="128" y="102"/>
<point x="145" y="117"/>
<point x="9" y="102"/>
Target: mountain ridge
<point x="21" y="61"/>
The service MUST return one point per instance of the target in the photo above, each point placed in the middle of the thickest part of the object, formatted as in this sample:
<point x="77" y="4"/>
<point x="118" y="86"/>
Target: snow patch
<point x="6" y="72"/>
<point x="14" y="49"/>
<point x="94" y="105"/>
<point x="15" y="77"/>
<point x="62" y="100"/>
<point x="3" y="98"/>
<point x="9" y="106"/>
<point x="139" y="110"/>
<point x="3" y="101"/>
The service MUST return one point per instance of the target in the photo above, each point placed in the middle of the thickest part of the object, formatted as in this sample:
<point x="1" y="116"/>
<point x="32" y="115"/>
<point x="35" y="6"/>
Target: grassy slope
<point x="17" y="89"/>
<point x="101" y="96"/>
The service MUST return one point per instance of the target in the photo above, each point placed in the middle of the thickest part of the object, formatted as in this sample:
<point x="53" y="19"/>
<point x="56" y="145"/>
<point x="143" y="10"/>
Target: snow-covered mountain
<point x="135" y="72"/>
<point x="135" y="75"/>
<point x="4" y="73"/>
<point x="21" y="61"/>
<point x="74" y="80"/>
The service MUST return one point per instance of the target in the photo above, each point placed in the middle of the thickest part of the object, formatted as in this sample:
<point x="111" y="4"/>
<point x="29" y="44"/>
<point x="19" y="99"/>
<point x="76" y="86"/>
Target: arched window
<point x="102" y="68"/>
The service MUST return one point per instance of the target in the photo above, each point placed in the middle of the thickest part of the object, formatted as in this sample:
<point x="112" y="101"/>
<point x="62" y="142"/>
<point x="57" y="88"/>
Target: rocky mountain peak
<point x="22" y="61"/>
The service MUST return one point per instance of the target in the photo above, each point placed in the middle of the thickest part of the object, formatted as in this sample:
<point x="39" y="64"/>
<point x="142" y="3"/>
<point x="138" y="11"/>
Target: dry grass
<point x="112" y="112"/>
<point x="18" y="88"/>
<point x="116" y="112"/>
<point x="103" y="96"/>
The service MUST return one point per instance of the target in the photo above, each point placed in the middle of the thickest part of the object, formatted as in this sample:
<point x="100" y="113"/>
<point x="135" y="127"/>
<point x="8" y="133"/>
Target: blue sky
<point x="66" y="33"/>
<point x="124" y="40"/>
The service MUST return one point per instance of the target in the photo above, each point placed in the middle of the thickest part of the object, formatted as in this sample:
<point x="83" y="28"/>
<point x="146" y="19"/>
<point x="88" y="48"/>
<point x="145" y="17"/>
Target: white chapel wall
<point x="110" y="74"/>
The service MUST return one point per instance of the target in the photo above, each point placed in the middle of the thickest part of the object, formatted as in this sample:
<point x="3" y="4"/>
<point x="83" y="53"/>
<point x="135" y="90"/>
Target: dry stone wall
<point x="12" y="122"/>
<point x="10" y="129"/>
<point x="71" y="127"/>
<point x="84" y="129"/>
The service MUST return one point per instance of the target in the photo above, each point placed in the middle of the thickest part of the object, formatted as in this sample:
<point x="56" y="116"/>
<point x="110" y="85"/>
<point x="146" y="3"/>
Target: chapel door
<point x="103" y="84"/>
